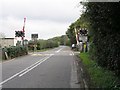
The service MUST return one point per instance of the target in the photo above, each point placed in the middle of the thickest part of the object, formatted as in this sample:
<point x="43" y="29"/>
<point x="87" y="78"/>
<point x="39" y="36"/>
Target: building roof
<point x="8" y="38"/>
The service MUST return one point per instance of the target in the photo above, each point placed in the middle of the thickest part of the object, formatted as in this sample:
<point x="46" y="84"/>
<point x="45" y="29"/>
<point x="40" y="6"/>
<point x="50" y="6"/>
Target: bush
<point x="14" y="51"/>
<point x="43" y="44"/>
<point x="100" y="77"/>
<point x="104" y="19"/>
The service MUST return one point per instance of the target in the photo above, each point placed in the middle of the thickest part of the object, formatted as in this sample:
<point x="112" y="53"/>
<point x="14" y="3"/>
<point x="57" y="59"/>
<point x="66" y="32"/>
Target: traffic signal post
<point x="34" y="38"/>
<point x="21" y="33"/>
<point x="82" y="38"/>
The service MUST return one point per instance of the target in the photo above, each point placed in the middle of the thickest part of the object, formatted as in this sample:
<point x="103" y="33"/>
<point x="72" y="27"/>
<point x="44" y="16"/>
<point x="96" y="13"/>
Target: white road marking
<point x="72" y="53"/>
<point x="66" y="51"/>
<point x="34" y="66"/>
<point x="41" y="54"/>
<point x="59" y="50"/>
<point x="36" y="54"/>
<point x="26" y="69"/>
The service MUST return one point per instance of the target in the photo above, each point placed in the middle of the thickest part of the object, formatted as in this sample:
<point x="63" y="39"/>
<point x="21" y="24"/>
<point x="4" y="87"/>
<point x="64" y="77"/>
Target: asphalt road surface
<point x="50" y="69"/>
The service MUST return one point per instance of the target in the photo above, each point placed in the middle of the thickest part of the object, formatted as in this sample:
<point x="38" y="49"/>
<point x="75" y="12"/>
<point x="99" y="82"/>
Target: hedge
<point x="42" y="44"/>
<point x="104" y="20"/>
<point x="14" y="51"/>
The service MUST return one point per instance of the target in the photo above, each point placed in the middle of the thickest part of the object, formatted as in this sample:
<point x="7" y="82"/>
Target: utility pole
<point x="22" y="38"/>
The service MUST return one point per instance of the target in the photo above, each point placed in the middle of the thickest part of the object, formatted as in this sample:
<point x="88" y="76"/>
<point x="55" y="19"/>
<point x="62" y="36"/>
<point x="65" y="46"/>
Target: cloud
<point x="57" y="10"/>
<point x="48" y="18"/>
<point x="45" y="29"/>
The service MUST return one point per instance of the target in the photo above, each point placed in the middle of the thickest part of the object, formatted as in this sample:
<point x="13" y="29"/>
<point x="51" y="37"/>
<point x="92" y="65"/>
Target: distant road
<point x="50" y="69"/>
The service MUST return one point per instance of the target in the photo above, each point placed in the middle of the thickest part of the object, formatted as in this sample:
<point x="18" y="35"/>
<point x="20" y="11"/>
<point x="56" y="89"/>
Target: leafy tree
<point x="102" y="19"/>
<point x="81" y="22"/>
<point x="71" y="33"/>
<point x="104" y="25"/>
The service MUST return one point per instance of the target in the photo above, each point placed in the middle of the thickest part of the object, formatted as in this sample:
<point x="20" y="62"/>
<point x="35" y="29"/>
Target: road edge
<point x="83" y="77"/>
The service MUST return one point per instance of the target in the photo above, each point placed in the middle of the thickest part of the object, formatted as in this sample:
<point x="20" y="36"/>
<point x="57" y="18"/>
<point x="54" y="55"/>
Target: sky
<point x="47" y="18"/>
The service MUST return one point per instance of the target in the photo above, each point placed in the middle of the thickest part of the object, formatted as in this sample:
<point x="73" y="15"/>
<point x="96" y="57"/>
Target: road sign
<point x="83" y="38"/>
<point x="19" y="34"/>
<point x="34" y="35"/>
<point x="83" y="31"/>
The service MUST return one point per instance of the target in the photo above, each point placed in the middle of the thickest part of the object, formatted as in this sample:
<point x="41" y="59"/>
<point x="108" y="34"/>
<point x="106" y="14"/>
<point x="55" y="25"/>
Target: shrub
<point x="14" y="51"/>
<point x="104" y="19"/>
<point x="43" y="44"/>
<point x="100" y="77"/>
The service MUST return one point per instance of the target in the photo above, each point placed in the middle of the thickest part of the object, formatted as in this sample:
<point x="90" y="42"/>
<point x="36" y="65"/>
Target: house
<point x="7" y="42"/>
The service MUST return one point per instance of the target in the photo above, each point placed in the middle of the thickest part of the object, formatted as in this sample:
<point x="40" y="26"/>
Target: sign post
<point x="34" y="38"/>
<point x="21" y="33"/>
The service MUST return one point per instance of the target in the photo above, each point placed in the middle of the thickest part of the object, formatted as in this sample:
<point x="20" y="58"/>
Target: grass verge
<point x="100" y="78"/>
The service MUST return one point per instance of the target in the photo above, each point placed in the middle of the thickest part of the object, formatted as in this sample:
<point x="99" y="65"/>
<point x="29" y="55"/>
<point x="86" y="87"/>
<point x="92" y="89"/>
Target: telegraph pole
<point x="22" y="38"/>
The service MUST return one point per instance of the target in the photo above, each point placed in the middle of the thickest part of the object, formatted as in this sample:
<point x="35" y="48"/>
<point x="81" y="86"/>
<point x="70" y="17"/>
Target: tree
<point x="2" y="35"/>
<point x="71" y="33"/>
<point x="104" y="25"/>
<point x="102" y="19"/>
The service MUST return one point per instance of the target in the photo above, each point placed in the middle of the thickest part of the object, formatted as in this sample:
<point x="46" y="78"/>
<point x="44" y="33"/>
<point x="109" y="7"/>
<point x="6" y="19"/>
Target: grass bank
<point x="100" y="78"/>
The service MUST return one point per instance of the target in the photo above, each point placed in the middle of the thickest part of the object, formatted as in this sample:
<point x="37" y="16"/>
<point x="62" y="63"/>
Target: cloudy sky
<point x="48" y="18"/>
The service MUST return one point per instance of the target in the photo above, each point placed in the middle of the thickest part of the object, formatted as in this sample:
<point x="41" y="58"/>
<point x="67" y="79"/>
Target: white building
<point x="7" y="42"/>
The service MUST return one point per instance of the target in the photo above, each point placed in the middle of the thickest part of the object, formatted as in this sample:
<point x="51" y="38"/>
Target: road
<point x="50" y="69"/>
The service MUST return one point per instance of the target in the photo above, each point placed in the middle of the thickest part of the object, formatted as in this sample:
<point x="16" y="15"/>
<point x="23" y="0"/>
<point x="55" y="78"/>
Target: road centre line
<point x="72" y="53"/>
<point x="26" y="69"/>
<point x="41" y="54"/>
<point x="59" y="50"/>
<point x="34" y="66"/>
